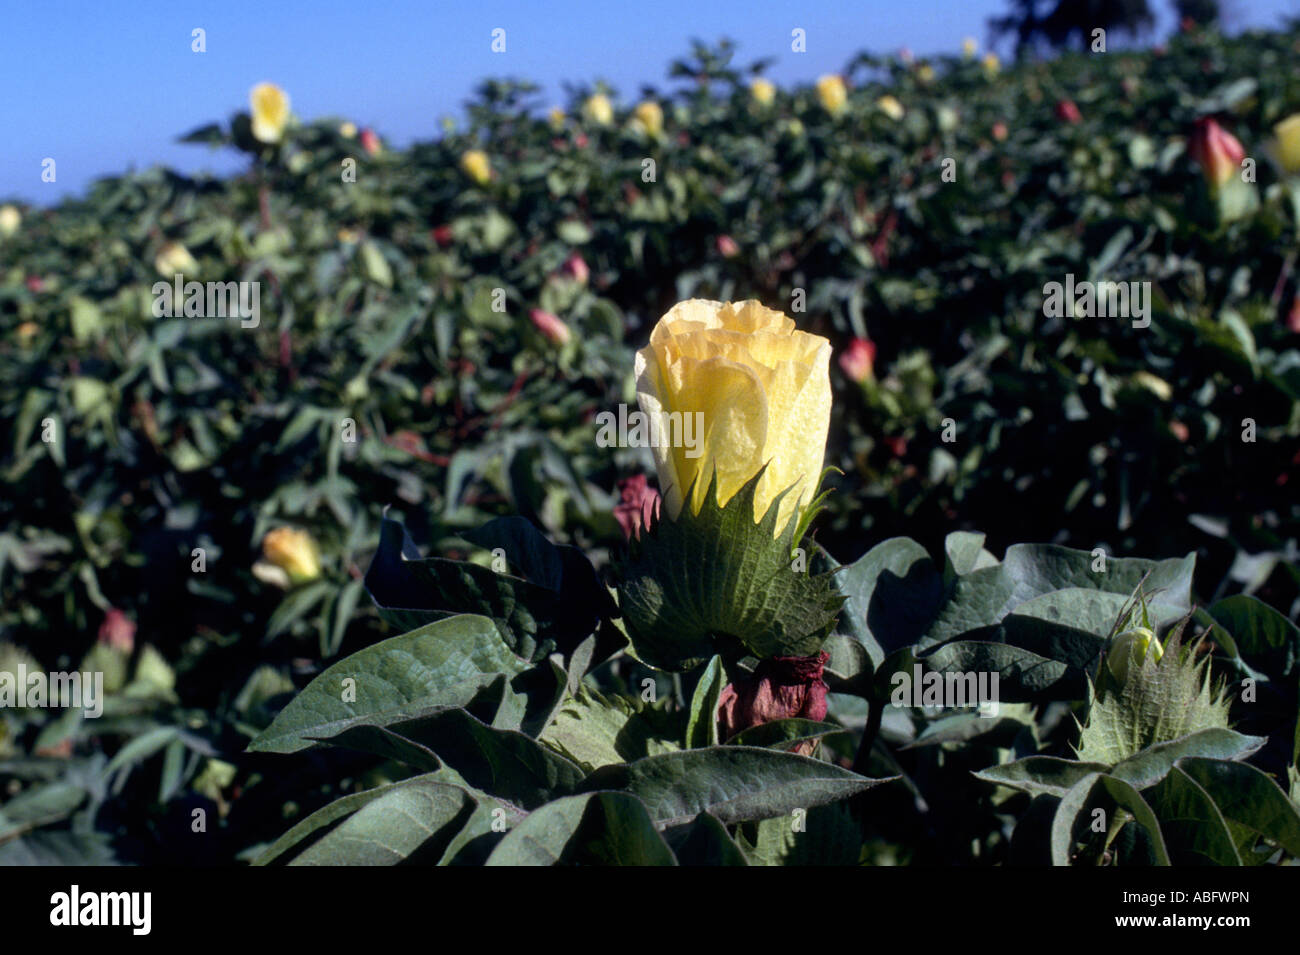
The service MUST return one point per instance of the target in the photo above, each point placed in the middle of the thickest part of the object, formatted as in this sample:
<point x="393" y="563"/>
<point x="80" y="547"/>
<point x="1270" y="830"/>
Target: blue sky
<point x="103" y="86"/>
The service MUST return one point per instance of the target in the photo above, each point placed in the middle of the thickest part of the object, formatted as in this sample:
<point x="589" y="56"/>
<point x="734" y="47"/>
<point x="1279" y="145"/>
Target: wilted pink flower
<point x="1067" y="112"/>
<point x="1216" y="151"/>
<point x="905" y="54"/>
<point x="858" y="361"/>
<point x="727" y="247"/>
<point x="34" y="283"/>
<point x="442" y="235"/>
<point x="999" y="131"/>
<point x="117" y="630"/>
<point x="575" y="267"/>
<point x="639" y="507"/>
<point x="780" y="688"/>
<point x="369" y="141"/>
<point x="556" y="332"/>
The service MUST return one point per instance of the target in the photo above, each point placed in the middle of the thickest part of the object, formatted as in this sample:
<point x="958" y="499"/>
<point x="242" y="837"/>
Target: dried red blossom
<point x="779" y="688"/>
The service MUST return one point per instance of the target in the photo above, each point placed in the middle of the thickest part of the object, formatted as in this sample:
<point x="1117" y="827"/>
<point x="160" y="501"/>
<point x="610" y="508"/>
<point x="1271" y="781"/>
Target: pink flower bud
<point x="1000" y="131"/>
<point x="1067" y="112"/>
<point x="639" y="506"/>
<point x="1216" y="151"/>
<point x="555" y="331"/>
<point x="576" y="268"/>
<point x="370" y="142"/>
<point x="117" y="631"/>
<point x="442" y="235"/>
<point x="858" y="361"/>
<point x="727" y="247"/>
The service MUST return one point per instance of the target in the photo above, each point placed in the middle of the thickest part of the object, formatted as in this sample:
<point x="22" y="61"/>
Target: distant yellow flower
<point x="1286" y="146"/>
<point x="348" y="235"/>
<point x="1154" y="384"/>
<point x="475" y="164"/>
<point x="891" y="107"/>
<point x="556" y="117"/>
<point x="348" y="130"/>
<point x="26" y="331"/>
<point x="833" y="94"/>
<point x="10" y="220"/>
<point x="294" y="552"/>
<point x="650" y="116"/>
<point x="173" y="259"/>
<point x="969" y="46"/>
<point x="764" y="391"/>
<point x="270" y="112"/>
<point x="925" y="73"/>
<point x="991" y="64"/>
<point x="763" y="91"/>
<point x="598" y="109"/>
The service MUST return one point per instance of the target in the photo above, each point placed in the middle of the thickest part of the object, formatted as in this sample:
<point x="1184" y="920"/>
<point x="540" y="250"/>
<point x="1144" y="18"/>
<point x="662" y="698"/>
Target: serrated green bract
<point x="1159" y="701"/>
<point x="717" y="582"/>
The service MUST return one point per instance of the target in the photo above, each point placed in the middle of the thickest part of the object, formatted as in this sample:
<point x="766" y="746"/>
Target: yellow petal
<point x="763" y="388"/>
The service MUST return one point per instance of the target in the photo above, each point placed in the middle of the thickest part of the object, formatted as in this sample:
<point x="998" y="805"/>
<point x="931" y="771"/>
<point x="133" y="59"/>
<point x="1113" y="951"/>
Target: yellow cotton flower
<point x="475" y="164"/>
<point x="1286" y="145"/>
<point x="762" y="91"/>
<point x="1154" y="384"/>
<point x="650" y="116"/>
<point x="348" y="130"/>
<point x="10" y="220"/>
<point x="925" y="73"/>
<point x="174" y="259"/>
<point x="969" y="46"/>
<point x="294" y="552"/>
<point x="763" y="389"/>
<point x="991" y="64"/>
<point x="270" y="112"/>
<point x="890" y="107"/>
<point x="833" y="94"/>
<point x="556" y="118"/>
<point x="598" y="109"/>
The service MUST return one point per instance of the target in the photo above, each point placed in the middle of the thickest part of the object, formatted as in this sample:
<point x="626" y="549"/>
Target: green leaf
<point x="1130" y="799"/>
<point x="704" y="842"/>
<point x="1067" y="820"/>
<point x="418" y="817"/>
<point x="892" y="594"/>
<point x="733" y="783"/>
<point x="446" y="663"/>
<point x="783" y="734"/>
<point x="1150" y="766"/>
<point x="533" y="619"/>
<point x="599" y="828"/>
<point x="702" y="727"/>
<point x="1259" y="632"/>
<point x="825" y="835"/>
<point x="1194" y="829"/>
<point x="1023" y="676"/>
<point x="327" y="816"/>
<point x="593" y="730"/>
<point x="503" y="763"/>
<point x="964" y="552"/>
<point x="1039" y="775"/>
<point x="1247" y="798"/>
